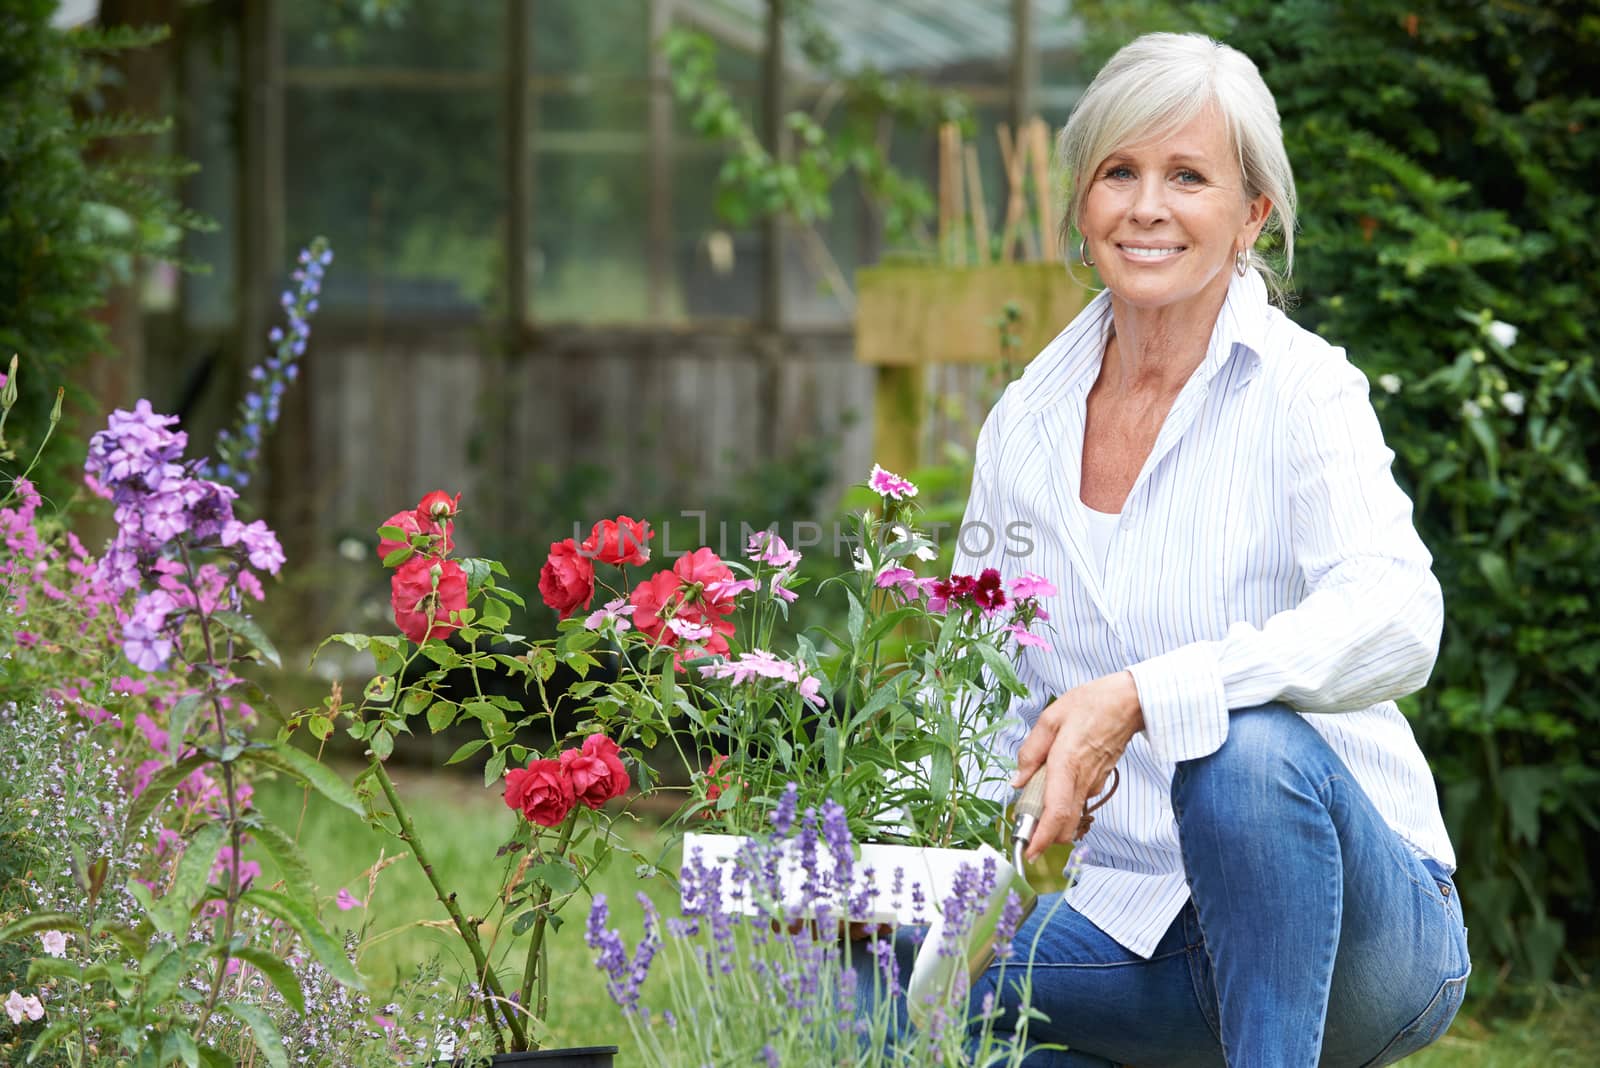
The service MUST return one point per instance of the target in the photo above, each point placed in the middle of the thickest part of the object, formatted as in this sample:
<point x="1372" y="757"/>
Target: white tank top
<point x="1102" y="527"/>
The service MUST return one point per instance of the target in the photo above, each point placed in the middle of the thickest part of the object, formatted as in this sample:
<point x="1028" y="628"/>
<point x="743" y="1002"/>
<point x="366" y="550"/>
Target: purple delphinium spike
<point x="238" y="448"/>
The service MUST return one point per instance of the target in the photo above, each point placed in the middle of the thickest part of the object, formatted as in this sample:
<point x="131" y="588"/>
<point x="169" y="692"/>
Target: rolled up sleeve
<point x="1368" y="629"/>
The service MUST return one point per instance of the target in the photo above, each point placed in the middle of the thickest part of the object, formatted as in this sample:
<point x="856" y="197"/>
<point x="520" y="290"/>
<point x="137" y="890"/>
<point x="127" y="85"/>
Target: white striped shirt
<point x="1265" y="553"/>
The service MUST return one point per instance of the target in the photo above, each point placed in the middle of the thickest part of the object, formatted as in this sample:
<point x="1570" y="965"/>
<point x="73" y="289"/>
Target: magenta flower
<point x="782" y="592"/>
<point x="724" y="589"/>
<point x="902" y="579"/>
<point x="615" y="612"/>
<point x="767" y="548"/>
<point x="889" y="485"/>
<point x="1031" y="585"/>
<point x="346" y="900"/>
<point x="1026" y="638"/>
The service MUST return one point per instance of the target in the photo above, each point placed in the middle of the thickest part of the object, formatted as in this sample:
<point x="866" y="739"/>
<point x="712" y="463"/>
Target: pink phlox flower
<point x="902" y="579"/>
<point x="1025" y="638"/>
<point x="251" y="585"/>
<point x="1030" y="584"/>
<point x="55" y="943"/>
<point x="889" y="485"/>
<point x="689" y="630"/>
<point x="767" y="548"/>
<point x="615" y="612"/>
<point x="260" y="544"/>
<point x="347" y="901"/>
<point x="18" y="1006"/>
<point x="725" y="589"/>
<point x="152" y="731"/>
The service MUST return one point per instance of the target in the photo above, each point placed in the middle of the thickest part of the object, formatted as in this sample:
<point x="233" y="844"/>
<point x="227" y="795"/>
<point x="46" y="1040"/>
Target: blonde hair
<point x="1159" y="83"/>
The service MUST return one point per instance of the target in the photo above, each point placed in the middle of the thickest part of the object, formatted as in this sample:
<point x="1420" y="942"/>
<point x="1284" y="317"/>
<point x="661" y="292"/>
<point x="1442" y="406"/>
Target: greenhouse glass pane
<point x="408" y="186"/>
<point x="467" y="37"/>
<point x="595" y="38"/>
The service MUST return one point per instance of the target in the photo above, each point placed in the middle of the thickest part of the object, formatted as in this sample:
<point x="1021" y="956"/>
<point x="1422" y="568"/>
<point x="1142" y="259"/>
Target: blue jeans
<point x="1315" y="935"/>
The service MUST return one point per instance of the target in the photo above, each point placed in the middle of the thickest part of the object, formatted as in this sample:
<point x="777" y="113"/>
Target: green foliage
<point x="1445" y="156"/>
<point x="68" y="226"/>
<point x="799" y="183"/>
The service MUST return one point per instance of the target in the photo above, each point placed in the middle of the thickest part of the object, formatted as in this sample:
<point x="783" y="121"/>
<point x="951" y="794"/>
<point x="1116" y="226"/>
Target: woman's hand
<point x="1078" y="740"/>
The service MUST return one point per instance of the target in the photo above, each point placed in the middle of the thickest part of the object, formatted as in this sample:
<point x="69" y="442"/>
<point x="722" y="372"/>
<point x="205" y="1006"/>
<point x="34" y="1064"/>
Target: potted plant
<point x="888" y="720"/>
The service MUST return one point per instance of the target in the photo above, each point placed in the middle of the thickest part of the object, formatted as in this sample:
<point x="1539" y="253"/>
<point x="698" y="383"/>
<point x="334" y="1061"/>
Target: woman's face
<point x="1163" y="218"/>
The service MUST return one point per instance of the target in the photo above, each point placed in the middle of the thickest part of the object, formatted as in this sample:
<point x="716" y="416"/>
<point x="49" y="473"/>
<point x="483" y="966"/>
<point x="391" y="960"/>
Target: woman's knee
<point x="1271" y="752"/>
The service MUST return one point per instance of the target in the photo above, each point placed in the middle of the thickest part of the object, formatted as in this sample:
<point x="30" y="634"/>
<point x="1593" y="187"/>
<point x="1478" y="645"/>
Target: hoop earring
<point x="1241" y="263"/>
<point x="1083" y="253"/>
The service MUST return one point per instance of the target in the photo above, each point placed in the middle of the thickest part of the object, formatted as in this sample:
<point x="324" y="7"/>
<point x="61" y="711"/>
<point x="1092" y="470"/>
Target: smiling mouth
<point x="1152" y="253"/>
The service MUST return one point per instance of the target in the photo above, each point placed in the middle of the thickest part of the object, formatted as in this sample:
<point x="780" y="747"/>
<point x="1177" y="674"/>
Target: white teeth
<point x="1152" y="253"/>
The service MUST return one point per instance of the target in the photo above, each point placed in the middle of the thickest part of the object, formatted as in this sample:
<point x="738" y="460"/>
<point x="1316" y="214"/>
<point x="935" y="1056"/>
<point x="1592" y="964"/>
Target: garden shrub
<point x="68" y="226"/>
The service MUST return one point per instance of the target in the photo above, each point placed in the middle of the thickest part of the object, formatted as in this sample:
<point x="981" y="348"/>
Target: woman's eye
<point x="1188" y="177"/>
<point x="1118" y="171"/>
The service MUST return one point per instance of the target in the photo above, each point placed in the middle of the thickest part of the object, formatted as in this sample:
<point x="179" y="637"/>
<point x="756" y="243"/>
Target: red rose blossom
<point x="649" y="598"/>
<point x="406" y="521"/>
<point x="619" y="541"/>
<point x="421" y="611"/>
<point x="566" y="582"/>
<point x="701" y="566"/>
<point x="542" y="791"/>
<point x="596" y="771"/>
<point x="438" y="506"/>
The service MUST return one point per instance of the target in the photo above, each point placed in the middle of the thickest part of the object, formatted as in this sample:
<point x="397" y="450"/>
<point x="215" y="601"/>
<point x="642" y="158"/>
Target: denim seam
<point x="1216" y="1027"/>
<point x="1046" y="965"/>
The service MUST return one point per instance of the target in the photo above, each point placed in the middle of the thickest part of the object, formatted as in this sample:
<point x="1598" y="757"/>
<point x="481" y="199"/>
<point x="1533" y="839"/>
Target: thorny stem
<point x="491" y="982"/>
<point x="535" y="964"/>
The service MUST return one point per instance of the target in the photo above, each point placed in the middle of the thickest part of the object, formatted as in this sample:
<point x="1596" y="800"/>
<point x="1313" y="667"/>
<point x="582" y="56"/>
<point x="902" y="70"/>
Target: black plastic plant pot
<point x="576" y="1057"/>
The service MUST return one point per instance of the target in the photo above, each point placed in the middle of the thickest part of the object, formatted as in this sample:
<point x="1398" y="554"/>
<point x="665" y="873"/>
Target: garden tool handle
<point x="1030" y="806"/>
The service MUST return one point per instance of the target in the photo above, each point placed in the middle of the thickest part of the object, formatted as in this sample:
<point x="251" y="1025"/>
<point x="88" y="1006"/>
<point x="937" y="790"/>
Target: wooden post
<point x="261" y="197"/>
<point x="772" y="111"/>
<point x="1024" y="66"/>
<point x="660" y="253"/>
<point x="519" y="170"/>
<point x="768" y="348"/>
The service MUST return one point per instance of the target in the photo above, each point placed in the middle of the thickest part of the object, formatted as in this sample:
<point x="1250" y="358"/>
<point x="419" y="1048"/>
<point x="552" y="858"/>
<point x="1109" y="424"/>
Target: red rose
<point x="619" y="541"/>
<point x="438" y="506"/>
<point x="420" y="610"/>
<point x="406" y="521"/>
<point x="542" y="791"/>
<point x="566" y="582"/>
<point x="701" y="566"/>
<point x="648" y="599"/>
<point x="596" y="771"/>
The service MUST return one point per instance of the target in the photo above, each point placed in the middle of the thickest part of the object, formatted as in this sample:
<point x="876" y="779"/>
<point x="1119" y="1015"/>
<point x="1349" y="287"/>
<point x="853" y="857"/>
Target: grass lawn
<point x="462" y="825"/>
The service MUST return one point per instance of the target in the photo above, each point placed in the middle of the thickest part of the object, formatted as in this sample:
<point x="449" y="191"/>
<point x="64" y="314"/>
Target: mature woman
<point x="1243" y="596"/>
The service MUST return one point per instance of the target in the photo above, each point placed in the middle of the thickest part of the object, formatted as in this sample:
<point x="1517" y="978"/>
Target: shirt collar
<point x="1073" y="359"/>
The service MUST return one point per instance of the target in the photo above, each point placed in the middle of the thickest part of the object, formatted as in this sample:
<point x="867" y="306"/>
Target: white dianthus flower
<point x="1513" y="403"/>
<point x="1389" y="383"/>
